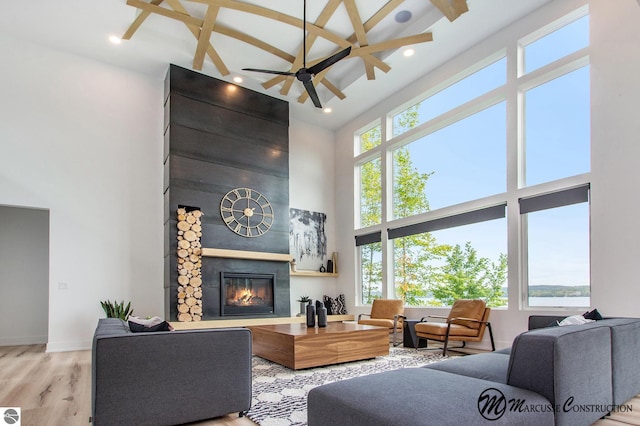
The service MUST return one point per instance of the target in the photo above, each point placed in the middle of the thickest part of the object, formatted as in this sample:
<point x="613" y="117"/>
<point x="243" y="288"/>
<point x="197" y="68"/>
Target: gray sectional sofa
<point x="571" y="375"/>
<point x="169" y="377"/>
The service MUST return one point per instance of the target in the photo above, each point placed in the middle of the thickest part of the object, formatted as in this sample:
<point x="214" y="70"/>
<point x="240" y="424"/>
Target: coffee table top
<point x="303" y="330"/>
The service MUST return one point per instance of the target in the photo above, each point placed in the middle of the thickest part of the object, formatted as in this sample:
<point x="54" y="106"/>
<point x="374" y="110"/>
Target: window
<point x="370" y="256"/>
<point x="562" y="42"/>
<point x="470" y="87"/>
<point x="462" y="256"/>
<point x="462" y="162"/>
<point x="489" y="168"/>
<point x="557" y="128"/>
<point x="558" y="248"/>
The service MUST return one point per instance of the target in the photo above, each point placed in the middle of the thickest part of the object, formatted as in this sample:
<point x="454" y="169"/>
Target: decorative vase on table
<point x="311" y="314"/>
<point x="322" y="317"/>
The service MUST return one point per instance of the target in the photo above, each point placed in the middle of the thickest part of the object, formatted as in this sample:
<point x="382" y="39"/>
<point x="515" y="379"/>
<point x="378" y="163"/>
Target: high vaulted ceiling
<point x="221" y="37"/>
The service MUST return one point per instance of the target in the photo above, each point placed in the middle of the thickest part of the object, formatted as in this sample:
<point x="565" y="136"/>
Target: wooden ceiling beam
<point x="452" y="9"/>
<point x="205" y="36"/>
<point x="361" y="34"/>
<point x="142" y="16"/>
<point x="211" y="52"/>
<point x="393" y="44"/>
<point x="152" y="8"/>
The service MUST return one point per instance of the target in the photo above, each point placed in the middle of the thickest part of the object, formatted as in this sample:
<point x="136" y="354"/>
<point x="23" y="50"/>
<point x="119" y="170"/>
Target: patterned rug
<point x="280" y="394"/>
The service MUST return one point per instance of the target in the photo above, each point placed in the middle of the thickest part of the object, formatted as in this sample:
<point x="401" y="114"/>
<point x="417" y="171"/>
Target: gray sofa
<point x="169" y="377"/>
<point x="570" y="375"/>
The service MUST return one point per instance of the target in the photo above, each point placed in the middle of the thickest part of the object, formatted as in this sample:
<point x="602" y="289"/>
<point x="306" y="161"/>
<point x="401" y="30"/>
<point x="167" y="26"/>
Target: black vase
<point x="311" y="314"/>
<point x="322" y="317"/>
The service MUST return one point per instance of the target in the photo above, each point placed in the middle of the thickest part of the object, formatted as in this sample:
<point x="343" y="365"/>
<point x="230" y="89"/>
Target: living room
<point x="82" y="141"/>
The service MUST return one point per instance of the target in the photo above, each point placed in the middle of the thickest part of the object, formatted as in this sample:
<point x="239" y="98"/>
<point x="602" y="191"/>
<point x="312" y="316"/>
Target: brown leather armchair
<point x="466" y="323"/>
<point x="386" y="313"/>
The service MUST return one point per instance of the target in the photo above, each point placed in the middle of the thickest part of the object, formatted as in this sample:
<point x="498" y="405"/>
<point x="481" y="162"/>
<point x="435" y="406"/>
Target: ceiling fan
<point x="304" y="74"/>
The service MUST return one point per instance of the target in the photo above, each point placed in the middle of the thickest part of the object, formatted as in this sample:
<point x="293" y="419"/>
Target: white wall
<point x="84" y="140"/>
<point x="311" y="187"/>
<point x="24" y="275"/>
<point x="615" y="65"/>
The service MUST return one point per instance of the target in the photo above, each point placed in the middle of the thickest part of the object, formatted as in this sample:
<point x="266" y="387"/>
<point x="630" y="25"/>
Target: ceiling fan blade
<point x="326" y="63"/>
<point x="269" y="71"/>
<point x="311" y="90"/>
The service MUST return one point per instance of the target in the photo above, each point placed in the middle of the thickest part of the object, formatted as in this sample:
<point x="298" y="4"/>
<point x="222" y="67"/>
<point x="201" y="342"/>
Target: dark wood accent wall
<point x="219" y="136"/>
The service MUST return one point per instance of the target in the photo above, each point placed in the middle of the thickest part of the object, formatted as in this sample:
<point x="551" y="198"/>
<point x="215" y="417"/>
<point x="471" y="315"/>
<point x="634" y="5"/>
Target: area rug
<point x="280" y="394"/>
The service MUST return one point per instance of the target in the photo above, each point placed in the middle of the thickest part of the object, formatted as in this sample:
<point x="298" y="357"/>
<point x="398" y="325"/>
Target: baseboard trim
<point x="23" y="340"/>
<point x="68" y="346"/>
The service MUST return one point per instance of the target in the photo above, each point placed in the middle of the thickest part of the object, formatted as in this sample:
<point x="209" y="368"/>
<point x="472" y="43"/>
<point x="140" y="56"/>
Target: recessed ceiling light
<point x="327" y="110"/>
<point x="408" y="52"/>
<point x="237" y="79"/>
<point x="115" y="39"/>
<point x="403" y="16"/>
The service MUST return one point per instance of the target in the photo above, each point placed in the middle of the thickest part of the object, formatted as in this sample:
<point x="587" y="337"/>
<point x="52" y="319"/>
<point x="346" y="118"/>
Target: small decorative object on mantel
<point x="303" y="304"/>
<point x="322" y="268"/>
<point x="330" y="266"/>
<point x="311" y="314"/>
<point x="334" y="261"/>
<point x="293" y="265"/>
<point x="189" y="264"/>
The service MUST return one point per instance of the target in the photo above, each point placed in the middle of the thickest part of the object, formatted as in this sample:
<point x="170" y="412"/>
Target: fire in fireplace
<point x="246" y="294"/>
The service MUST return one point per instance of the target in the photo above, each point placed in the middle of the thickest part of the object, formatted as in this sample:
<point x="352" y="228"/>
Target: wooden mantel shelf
<point x="250" y="255"/>
<point x="313" y="274"/>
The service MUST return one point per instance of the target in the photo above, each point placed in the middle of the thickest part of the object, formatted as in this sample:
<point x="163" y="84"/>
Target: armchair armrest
<point x="365" y="315"/>
<point x="451" y="320"/>
<point x="433" y="316"/>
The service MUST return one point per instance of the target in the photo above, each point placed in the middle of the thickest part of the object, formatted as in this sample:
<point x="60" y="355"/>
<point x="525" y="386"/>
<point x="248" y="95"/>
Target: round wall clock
<point x="246" y="212"/>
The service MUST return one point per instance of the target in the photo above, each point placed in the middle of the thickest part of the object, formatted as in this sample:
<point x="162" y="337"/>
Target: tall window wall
<point x="496" y="161"/>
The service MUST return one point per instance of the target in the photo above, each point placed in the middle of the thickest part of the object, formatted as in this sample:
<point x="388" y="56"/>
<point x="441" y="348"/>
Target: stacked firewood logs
<point x="189" y="265"/>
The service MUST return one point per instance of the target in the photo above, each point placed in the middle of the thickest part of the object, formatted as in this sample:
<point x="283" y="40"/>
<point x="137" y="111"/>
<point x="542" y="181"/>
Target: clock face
<point x="246" y="212"/>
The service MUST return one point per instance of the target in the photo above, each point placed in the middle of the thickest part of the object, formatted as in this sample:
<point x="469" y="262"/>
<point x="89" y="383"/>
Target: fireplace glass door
<point x="247" y="294"/>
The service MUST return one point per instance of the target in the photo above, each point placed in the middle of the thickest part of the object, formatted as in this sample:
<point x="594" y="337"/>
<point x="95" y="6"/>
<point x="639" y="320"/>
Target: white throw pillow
<point x="574" y="320"/>
<point x="147" y="322"/>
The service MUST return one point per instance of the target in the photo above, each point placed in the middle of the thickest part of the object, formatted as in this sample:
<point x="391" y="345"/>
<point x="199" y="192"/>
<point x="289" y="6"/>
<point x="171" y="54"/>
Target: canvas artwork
<point x="307" y="240"/>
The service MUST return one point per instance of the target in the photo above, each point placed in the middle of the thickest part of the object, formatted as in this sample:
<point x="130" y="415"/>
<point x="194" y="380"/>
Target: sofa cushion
<point x="417" y="396"/>
<point x="625" y="357"/>
<point x="440" y="329"/>
<point x="566" y="365"/>
<point x="490" y="366"/>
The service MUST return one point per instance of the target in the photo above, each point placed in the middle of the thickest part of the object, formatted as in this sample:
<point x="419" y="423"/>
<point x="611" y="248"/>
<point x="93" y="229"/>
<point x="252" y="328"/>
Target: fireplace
<point x="246" y="294"/>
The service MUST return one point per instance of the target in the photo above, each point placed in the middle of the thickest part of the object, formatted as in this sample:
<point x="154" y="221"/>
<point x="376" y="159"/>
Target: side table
<point x="409" y="338"/>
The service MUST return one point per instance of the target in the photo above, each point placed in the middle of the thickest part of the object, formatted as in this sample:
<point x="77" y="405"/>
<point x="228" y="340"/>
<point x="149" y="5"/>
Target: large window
<point x="440" y="206"/>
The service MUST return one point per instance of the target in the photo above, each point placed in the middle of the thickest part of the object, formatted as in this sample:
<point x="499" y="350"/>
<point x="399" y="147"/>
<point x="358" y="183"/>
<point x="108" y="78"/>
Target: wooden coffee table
<point x="296" y="346"/>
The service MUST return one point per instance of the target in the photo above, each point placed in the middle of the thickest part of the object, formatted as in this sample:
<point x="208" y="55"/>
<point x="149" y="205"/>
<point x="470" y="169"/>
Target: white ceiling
<point x="83" y="27"/>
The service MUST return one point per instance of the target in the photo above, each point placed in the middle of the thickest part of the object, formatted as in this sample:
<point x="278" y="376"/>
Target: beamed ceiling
<point x="221" y="37"/>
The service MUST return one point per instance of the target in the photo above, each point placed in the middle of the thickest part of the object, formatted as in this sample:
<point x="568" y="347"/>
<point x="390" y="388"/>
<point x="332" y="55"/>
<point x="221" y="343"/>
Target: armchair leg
<point x="493" y="345"/>
<point x="446" y="341"/>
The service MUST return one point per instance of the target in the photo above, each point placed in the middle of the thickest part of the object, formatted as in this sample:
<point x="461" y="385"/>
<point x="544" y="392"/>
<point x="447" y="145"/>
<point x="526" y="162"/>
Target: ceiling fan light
<point x="327" y="110"/>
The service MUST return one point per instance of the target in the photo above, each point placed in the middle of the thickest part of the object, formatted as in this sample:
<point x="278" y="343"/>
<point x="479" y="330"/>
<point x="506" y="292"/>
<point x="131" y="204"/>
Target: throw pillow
<point x="342" y="305"/>
<point x="333" y="307"/>
<point x="593" y="315"/>
<point x="574" y="320"/>
<point x="139" y="328"/>
<point x="148" y="322"/>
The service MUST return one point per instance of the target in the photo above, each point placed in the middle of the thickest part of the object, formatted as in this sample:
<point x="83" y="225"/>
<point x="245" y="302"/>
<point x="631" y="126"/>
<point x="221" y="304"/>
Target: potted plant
<point x="303" y="304"/>
<point x="117" y="310"/>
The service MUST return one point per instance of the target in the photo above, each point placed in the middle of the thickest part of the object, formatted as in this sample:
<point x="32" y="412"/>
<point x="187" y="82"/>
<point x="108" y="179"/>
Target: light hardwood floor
<point x="55" y="389"/>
